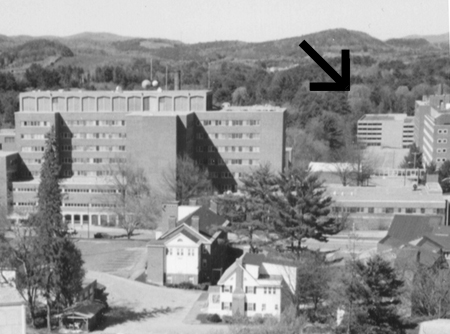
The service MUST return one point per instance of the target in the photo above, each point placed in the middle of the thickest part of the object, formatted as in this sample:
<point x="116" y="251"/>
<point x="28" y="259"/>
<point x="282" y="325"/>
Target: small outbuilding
<point x="82" y="317"/>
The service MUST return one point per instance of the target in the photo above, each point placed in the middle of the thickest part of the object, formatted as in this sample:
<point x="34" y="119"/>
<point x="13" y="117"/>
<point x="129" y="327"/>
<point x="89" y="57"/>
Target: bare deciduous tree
<point x="133" y="200"/>
<point x="187" y="180"/>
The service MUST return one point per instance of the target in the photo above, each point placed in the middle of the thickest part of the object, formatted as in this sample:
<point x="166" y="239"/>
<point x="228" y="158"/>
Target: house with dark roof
<point x="253" y="285"/>
<point x="192" y="249"/>
<point x="406" y="228"/>
<point x="417" y="239"/>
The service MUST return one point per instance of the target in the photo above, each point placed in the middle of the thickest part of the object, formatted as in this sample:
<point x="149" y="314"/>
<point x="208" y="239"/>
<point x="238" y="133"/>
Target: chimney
<point x="177" y="80"/>
<point x="172" y="223"/>
<point x="192" y="202"/>
<point x="195" y="223"/>
<point x="213" y="206"/>
<point x="169" y="210"/>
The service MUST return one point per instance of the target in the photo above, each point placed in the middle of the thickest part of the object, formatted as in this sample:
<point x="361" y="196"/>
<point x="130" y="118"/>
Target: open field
<point x="124" y="258"/>
<point x="141" y="308"/>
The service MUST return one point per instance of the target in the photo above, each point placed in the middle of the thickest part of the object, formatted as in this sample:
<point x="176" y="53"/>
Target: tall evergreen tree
<point x="62" y="262"/>
<point x="374" y="296"/>
<point x="304" y="209"/>
<point x="253" y="210"/>
<point x="49" y="191"/>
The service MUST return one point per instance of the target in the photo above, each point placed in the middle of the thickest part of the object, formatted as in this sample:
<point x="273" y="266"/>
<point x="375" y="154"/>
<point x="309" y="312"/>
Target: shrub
<point x="214" y="318"/>
<point x="189" y="286"/>
<point x="205" y="318"/>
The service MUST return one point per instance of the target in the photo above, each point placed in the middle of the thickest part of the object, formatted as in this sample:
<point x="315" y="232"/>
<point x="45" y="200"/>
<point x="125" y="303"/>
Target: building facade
<point x="193" y="249"/>
<point x="253" y="285"/>
<point x="97" y="130"/>
<point x="432" y="128"/>
<point x="392" y="130"/>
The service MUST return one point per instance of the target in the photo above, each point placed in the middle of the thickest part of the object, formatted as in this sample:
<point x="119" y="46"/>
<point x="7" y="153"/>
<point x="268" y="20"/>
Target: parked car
<point x="101" y="235"/>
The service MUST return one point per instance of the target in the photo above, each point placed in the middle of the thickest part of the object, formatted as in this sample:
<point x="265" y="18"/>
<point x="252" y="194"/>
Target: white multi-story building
<point x="386" y="130"/>
<point x="253" y="285"/>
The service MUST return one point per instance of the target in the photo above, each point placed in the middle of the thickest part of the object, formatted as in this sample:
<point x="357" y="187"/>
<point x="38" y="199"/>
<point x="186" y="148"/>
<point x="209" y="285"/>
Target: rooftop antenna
<point x="151" y="69"/>
<point x="209" y="75"/>
<point x="166" y="77"/>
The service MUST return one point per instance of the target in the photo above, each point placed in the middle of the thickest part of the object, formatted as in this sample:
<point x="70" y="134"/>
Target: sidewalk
<point x="377" y="235"/>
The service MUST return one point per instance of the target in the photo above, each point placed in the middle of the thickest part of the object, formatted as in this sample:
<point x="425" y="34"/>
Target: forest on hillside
<point x="320" y="124"/>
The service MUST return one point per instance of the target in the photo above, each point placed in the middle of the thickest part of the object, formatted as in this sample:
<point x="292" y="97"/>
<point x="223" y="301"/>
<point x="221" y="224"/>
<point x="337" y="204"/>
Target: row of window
<point x="93" y="123"/>
<point x="69" y="173"/>
<point x="24" y="203"/>
<point x="87" y="148"/>
<point x="384" y="210"/>
<point x="67" y="160"/>
<point x="35" y="123"/>
<point x="71" y="190"/>
<point x="181" y="251"/>
<point x="442" y="141"/>
<point x="442" y="131"/>
<point x="32" y="136"/>
<point x="248" y="122"/>
<point x="219" y="162"/>
<point x="32" y="161"/>
<point x="244" y="149"/>
<point x="84" y="135"/>
<point x="441" y="159"/>
<point x="223" y="175"/>
<point x="117" y="103"/>
<point x="371" y="124"/>
<point x="228" y="135"/>
<point x="248" y="306"/>
<point x="33" y="148"/>
<point x="9" y="140"/>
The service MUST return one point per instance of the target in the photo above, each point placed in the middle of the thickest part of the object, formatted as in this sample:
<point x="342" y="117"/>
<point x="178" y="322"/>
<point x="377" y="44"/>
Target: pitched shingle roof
<point x="405" y="228"/>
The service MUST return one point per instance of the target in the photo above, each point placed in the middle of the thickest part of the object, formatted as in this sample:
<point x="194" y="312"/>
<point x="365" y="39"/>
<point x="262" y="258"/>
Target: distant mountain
<point x="97" y="36"/>
<point x="433" y="39"/>
<point x="93" y="49"/>
<point x="410" y="43"/>
<point x="34" y="51"/>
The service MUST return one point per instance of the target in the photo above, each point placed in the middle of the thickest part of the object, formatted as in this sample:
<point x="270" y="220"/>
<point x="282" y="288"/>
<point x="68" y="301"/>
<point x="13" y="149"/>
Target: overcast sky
<point x="194" y="21"/>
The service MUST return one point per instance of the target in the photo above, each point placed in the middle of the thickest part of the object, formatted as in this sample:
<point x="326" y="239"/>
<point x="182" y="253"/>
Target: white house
<point x="253" y="285"/>
<point x="193" y="249"/>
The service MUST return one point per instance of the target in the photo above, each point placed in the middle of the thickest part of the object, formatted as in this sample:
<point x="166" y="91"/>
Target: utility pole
<point x="151" y="69"/>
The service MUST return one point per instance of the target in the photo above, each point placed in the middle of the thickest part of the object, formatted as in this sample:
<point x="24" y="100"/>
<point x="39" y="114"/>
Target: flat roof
<point x="7" y="153"/>
<point x="255" y="108"/>
<point x="383" y="117"/>
<point x="388" y="196"/>
<point x="110" y="92"/>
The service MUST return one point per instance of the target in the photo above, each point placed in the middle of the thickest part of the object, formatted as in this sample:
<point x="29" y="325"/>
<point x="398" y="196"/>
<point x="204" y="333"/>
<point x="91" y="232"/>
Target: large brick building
<point x="97" y="129"/>
<point x="432" y="128"/>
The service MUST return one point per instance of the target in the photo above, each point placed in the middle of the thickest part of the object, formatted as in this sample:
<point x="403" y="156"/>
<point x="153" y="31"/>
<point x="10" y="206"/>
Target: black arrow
<point x="341" y="83"/>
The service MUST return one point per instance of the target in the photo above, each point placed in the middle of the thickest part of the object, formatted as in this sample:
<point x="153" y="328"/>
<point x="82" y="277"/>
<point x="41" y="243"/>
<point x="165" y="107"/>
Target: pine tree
<point x="49" y="191"/>
<point x="62" y="262"/>
<point x="253" y="211"/>
<point x="374" y="296"/>
<point x="304" y="210"/>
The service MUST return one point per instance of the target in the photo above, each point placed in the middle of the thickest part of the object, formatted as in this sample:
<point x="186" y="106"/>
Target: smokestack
<point x="177" y="80"/>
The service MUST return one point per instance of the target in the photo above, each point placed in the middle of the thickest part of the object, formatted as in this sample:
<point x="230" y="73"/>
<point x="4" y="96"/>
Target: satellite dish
<point x="146" y="84"/>
<point x="159" y="90"/>
<point x="119" y="89"/>
<point x="155" y="83"/>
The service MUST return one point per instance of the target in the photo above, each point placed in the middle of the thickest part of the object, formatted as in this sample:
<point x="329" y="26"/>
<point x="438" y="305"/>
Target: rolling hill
<point x="91" y="49"/>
